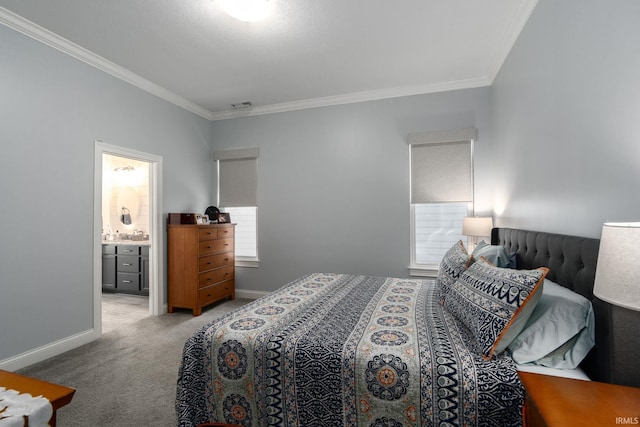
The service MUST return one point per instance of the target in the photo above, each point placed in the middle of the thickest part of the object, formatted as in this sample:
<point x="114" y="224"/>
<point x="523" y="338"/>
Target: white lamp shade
<point x="618" y="272"/>
<point x="477" y="226"/>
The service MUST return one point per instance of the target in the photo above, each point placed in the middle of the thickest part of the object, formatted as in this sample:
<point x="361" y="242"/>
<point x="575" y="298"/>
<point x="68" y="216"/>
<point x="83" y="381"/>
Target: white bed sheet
<point x="576" y="373"/>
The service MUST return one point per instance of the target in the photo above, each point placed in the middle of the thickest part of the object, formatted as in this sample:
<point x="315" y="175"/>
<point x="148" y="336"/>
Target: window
<point x="245" y="219"/>
<point x="237" y="195"/>
<point x="441" y="194"/>
<point x="437" y="227"/>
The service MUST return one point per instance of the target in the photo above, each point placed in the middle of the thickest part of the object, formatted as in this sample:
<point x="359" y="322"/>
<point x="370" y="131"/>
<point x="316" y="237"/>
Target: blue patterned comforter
<point x="337" y="350"/>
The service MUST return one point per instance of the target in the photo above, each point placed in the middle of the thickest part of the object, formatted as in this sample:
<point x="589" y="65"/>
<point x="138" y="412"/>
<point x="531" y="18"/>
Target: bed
<point x="335" y="349"/>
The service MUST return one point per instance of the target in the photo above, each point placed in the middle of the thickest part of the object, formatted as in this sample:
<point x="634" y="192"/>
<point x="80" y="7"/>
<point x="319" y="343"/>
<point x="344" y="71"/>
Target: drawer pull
<point x="126" y="281"/>
<point x="127" y="264"/>
<point x="208" y="247"/>
<point x="226" y="259"/>
<point x="209" y="263"/>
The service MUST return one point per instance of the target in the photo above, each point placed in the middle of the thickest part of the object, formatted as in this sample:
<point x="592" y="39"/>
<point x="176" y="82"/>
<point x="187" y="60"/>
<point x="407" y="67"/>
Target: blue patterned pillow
<point x="495" y="303"/>
<point x="455" y="261"/>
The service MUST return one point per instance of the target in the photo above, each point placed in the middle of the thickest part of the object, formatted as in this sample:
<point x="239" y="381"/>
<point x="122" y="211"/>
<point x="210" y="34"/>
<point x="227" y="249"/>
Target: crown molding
<point x="510" y="37"/>
<point x="36" y="32"/>
<point x="352" y="98"/>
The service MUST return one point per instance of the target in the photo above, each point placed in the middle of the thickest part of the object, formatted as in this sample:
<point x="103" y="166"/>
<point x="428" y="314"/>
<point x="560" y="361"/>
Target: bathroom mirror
<point x="127" y="206"/>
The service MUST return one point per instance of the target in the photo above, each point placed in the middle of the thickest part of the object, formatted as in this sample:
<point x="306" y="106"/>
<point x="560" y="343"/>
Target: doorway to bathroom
<point x="129" y="238"/>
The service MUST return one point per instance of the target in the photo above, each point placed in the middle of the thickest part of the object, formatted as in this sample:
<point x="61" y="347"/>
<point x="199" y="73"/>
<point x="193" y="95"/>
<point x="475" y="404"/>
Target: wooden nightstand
<point x="556" y="401"/>
<point x="58" y="395"/>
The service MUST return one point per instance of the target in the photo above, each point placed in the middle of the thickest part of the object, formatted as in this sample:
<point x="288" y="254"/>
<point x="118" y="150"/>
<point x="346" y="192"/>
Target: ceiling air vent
<point x="241" y="105"/>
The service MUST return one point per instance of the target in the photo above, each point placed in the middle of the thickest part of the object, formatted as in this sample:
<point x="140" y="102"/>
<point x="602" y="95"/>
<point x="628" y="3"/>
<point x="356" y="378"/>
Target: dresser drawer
<point x="128" y="250"/>
<point x="215" y="276"/>
<point x="128" y="282"/>
<point x="225" y="232"/>
<point x="207" y="234"/>
<point x="215" y="261"/>
<point x="212" y="293"/>
<point x="215" y="246"/>
<point x="128" y="263"/>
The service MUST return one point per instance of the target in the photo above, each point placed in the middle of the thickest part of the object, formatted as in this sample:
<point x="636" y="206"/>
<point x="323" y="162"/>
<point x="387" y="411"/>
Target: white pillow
<point x="560" y="331"/>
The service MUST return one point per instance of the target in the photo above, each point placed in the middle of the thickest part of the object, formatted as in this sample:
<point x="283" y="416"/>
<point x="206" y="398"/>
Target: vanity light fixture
<point x="127" y="176"/>
<point x="247" y="10"/>
<point x="125" y="169"/>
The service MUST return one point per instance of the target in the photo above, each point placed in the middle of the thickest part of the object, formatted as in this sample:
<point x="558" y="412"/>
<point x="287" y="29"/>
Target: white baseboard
<point x="247" y="293"/>
<point x="47" y="351"/>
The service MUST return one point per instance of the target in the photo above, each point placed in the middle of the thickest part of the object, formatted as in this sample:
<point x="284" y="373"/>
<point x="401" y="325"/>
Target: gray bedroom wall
<point x="333" y="183"/>
<point x="566" y="105"/>
<point x="52" y="108"/>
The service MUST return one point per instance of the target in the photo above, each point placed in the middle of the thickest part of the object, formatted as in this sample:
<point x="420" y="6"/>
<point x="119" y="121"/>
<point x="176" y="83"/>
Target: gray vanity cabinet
<point x="144" y="266"/>
<point x="109" y="267"/>
<point x="125" y="268"/>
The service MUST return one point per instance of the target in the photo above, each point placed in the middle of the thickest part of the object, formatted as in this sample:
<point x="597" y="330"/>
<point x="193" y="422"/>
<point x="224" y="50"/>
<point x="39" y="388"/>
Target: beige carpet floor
<point x="127" y="377"/>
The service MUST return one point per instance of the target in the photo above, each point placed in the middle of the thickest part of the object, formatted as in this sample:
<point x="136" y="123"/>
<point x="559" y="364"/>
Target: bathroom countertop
<point x="127" y="242"/>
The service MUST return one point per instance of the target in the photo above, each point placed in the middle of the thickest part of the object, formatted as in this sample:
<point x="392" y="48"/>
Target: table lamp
<point x="475" y="227"/>
<point x="617" y="282"/>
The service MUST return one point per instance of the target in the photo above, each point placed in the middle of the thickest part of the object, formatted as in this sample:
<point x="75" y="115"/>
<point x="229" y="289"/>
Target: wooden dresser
<point x="201" y="265"/>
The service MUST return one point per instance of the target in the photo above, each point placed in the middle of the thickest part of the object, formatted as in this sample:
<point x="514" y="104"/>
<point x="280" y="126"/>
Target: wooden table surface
<point x="58" y="395"/>
<point x="572" y="402"/>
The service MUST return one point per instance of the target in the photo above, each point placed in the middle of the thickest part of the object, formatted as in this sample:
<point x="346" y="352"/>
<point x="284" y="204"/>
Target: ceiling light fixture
<point x="247" y="10"/>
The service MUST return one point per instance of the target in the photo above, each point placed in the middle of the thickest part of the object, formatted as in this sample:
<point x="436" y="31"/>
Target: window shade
<point x="237" y="177"/>
<point x="442" y="166"/>
<point x="441" y="172"/>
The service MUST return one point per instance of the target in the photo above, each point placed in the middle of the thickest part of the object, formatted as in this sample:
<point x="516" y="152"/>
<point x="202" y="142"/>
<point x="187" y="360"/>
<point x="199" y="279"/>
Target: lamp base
<point x="617" y="350"/>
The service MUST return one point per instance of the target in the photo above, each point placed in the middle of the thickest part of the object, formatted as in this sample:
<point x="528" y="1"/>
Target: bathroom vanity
<point x="125" y="267"/>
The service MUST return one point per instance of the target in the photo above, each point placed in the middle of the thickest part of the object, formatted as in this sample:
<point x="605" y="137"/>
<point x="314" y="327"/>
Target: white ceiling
<point x="307" y="53"/>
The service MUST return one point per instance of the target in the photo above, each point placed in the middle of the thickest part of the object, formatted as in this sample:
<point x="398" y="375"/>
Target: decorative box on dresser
<point x="201" y="265"/>
<point x="557" y="401"/>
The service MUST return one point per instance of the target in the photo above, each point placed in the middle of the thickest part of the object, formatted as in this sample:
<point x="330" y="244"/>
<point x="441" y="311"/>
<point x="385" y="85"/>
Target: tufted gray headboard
<point x="571" y="260"/>
<point x="572" y="263"/>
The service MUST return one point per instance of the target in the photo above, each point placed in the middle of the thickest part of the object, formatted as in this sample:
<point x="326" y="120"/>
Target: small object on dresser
<point x="224" y="218"/>
<point x="212" y="212"/>
<point x="181" y="218"/>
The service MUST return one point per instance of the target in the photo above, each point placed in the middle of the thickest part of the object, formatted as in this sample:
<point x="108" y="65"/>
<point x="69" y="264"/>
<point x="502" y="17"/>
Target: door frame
<point x="156" y="234"/>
